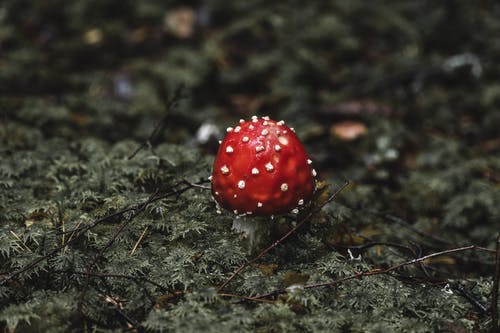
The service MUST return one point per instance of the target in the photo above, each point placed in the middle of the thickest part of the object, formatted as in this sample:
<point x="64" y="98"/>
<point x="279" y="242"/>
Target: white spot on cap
<point x="254" y="119"/>
<point x="269" y="167"/>
<point x="295" y="211"/>
<point x="224" y="170"/>
<point x="280" y="123"/>
<point x="314" y="173"/>
<point x="265" y="132"/>
<point x="284" y="187"/>
<point x="255" y="171"/>
<point x="216" y="193"/>
<point x="237" y="129"/>
<point x="245" y="139"/>
<point x="259" y="148"/>
<point x="265" y="123"/>
<point x="242" y="121"/>
<point x="210" y="178"/>
<point x="251" y="127"/>
<point x="301" y="202"/>
<point x="220" y="141"/>
<point x="241" y="184"/>
<point x="292" y="129"/>
<point x="235" y="196"/>
<point x="259" y="204"/>
<point x="229" y="149"/>
<point x="277" y="147"/>
<point x="283" y="140"/>
<point x="229" y="129"/>
<point x="309" y="161"/>
<point x="265" y="118"/>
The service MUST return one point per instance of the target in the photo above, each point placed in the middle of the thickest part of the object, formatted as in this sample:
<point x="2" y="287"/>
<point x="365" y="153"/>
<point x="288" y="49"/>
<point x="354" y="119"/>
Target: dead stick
<point x="248" y="298"/>
<point x="138" y="241"/>
<point x="279" y="241"/>
<point x="393" y="268"/>
<point x="494" y="291"/>
<point x="169" y="105"/>
<point x="372" y="271"/>
<point x="138" y="279"/>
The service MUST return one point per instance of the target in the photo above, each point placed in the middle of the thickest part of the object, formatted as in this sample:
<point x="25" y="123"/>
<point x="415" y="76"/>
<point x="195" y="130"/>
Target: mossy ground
<point x="84" y="83"/>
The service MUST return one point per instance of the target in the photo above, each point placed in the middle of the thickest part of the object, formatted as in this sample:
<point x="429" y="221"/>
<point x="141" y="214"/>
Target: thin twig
<point x="393" y="268"/>
<point x="20" y="241"/>
<point x="197" y="185"/>
<point x="122" y="226"/>
<point x="81" y="230"/>
<point x="138" y="279"/>
<point x="494" y="291"/>
<point x="247" y="298"/>
<point x="133" y="213"/>
<point x="408" y="225"/>
<point x="132" y="208"/>
<point x="279" y="241"/>
<point x="376" y="271"/>
<point x="169" y="104"/>
<point x="78" y="230"/>
<point x="132" y="323"/>
<point x="466" y="293"/>
<point x="73" y="231"/>
<point x="140" y="208"/>
<point x="138" y="241"/>
<point x="371" y="243"/>
<point x="63" y="225"/>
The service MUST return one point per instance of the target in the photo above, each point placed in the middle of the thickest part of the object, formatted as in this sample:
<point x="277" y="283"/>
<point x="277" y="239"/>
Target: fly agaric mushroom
<point x="262" y="169"/>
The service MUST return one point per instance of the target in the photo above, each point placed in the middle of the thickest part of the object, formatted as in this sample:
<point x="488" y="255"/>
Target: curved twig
<point x="376" y="271"/>
<point x="279" y="241"/>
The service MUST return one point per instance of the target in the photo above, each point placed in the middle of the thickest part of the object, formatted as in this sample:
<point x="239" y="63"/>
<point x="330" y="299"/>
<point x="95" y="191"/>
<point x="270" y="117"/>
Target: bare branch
<point x="494" y="291"/>
<point x="376" y="271"/>
<point x="169" y="105"/>
<point x="138" y="279"/>
<point x="248" y="298"/>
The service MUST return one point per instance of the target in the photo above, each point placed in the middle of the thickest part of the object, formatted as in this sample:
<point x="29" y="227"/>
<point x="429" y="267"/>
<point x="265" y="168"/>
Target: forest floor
<point x="110" y="117"/>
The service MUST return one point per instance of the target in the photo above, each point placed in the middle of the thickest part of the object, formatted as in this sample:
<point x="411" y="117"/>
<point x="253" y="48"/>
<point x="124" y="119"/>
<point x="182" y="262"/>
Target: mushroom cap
<point x="262" y="169"/>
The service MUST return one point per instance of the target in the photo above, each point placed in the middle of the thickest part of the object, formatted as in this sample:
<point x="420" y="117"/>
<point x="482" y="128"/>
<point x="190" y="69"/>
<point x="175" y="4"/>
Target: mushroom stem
<point x="255" y="230"/>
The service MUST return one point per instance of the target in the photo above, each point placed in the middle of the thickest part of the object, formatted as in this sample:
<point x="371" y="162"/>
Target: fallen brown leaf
<point x="348" y="130"/>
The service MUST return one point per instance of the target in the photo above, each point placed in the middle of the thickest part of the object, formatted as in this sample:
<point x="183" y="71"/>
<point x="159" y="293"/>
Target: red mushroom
<point x="262" y="169"/>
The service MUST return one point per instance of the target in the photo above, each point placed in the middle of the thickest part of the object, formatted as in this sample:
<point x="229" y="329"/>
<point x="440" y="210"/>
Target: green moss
<point x="83" y="84"/>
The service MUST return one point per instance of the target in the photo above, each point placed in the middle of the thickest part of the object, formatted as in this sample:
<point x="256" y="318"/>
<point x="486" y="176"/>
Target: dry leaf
<point x="139" y="35"/>
<point x="445" y="260"/>
<point x="93" y="36"/>
<point x="37" y="216"/>
<point x="163" y="300"/>
<point x="348" y="130"/>
<point x="294" y="278"/>
<point x="181" y="22"/>
<point x="268" y="270"/>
